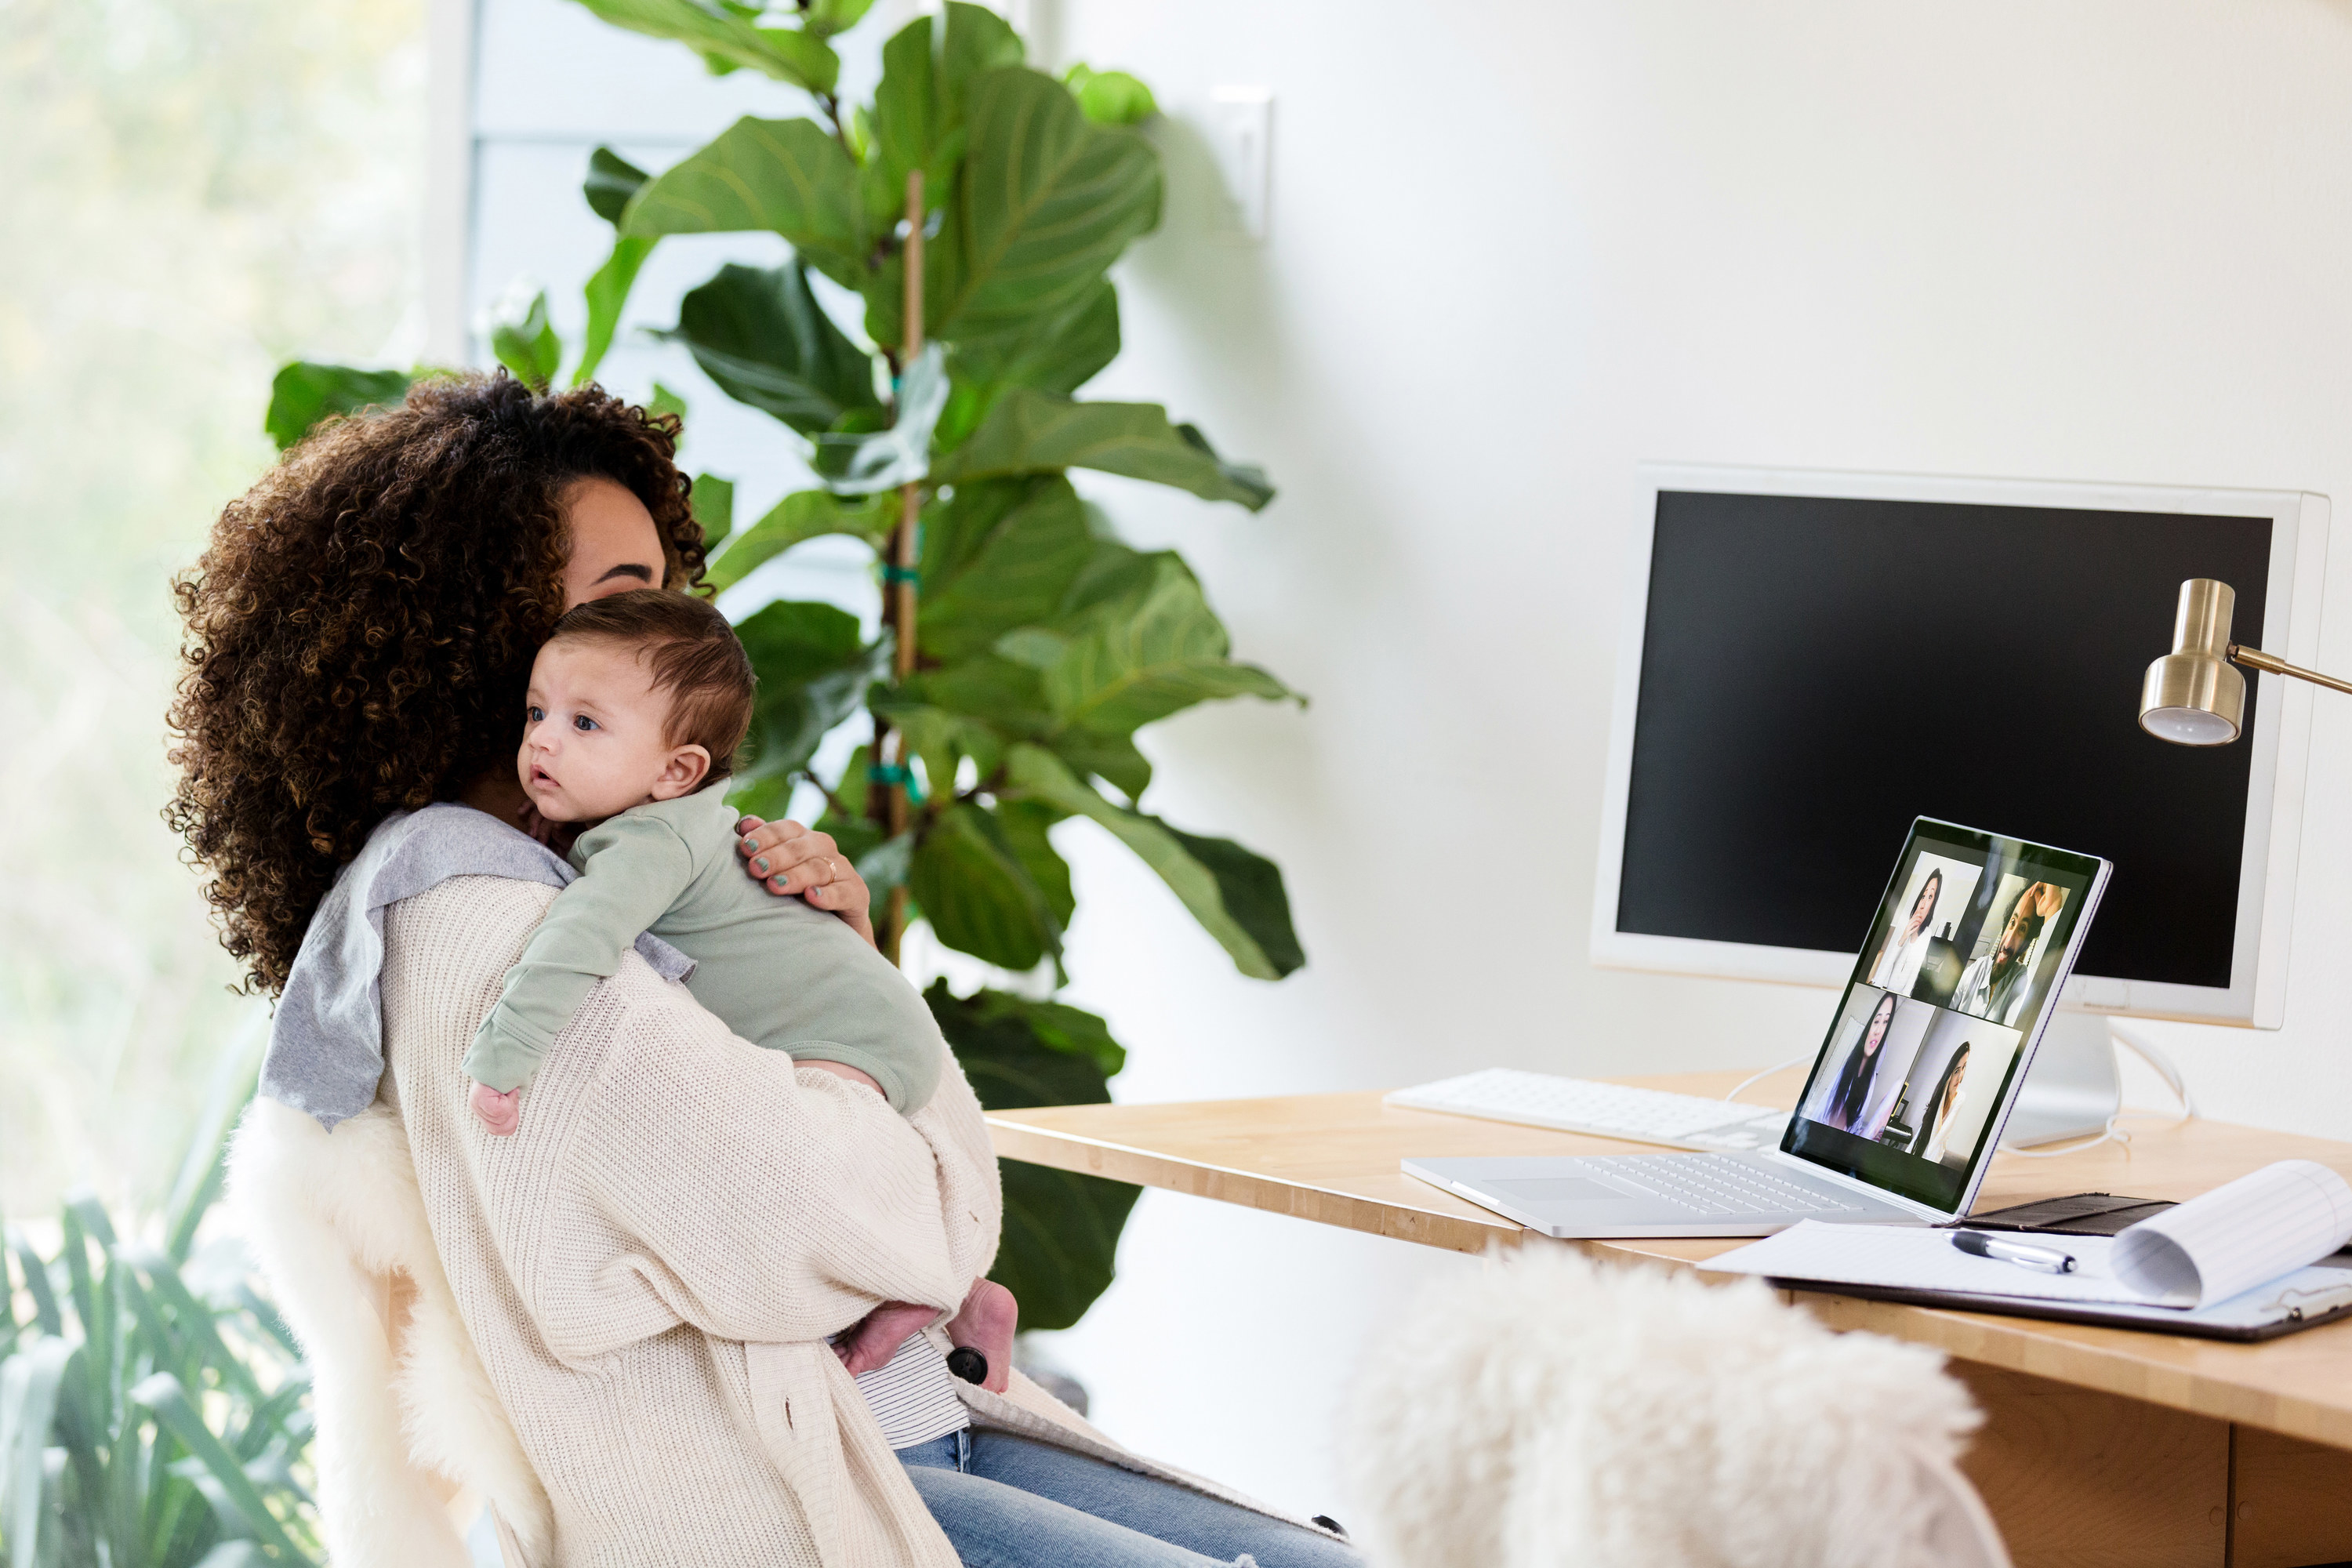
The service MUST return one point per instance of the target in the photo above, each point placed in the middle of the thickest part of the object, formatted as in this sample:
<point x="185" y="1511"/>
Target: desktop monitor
<point x="1811" y="660"/>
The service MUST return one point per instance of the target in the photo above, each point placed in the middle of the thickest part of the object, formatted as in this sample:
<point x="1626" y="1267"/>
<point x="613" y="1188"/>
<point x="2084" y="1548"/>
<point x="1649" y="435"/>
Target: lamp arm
<point x="2256" y="658"/>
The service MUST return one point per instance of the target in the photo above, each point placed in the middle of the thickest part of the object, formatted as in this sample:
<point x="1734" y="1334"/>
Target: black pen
<point x="2049" y="1260"/>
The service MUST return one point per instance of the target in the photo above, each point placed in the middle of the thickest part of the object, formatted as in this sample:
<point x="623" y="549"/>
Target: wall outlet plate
<point x="1241" y="123"/>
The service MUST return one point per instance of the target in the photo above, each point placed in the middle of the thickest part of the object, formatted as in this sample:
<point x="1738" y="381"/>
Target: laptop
<point x="1974" y="937"/>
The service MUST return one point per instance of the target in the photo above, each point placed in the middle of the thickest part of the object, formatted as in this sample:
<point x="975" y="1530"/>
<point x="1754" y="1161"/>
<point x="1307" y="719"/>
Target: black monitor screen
<point x="1818" y="672"/>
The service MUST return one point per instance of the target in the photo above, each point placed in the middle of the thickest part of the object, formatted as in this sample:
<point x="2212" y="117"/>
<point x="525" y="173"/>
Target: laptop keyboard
<point x="1722" y="1186"/>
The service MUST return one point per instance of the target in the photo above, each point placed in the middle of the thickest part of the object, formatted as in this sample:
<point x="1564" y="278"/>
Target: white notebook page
<point x="2236" y="1236"/>
<point x="2258" y="1229"/>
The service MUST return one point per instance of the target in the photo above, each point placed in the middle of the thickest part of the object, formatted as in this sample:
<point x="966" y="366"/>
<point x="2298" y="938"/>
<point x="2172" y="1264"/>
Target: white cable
<point x="2153" y="1055"/>
<point x="1755" y="1079"/>
<point x="2110" y="1134"/>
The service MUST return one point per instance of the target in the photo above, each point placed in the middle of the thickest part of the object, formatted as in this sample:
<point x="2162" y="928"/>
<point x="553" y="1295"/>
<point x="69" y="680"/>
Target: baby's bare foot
<point x="498" y="1113"/>
<point x="877" y="1339"/>
<point x="986" y="1325"/>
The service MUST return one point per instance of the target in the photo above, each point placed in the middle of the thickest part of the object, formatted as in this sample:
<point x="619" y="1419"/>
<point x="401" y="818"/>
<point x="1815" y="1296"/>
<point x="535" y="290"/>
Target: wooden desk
<point x="2102" y="1445"/>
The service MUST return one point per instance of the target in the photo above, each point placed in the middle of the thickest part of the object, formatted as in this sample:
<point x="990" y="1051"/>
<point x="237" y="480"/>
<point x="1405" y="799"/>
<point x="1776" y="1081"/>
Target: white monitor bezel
<point x="2280" y="735"/>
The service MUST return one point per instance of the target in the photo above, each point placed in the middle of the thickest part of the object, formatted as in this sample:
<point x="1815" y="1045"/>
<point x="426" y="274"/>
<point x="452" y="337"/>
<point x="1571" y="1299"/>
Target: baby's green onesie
<point x="767" y="965"/>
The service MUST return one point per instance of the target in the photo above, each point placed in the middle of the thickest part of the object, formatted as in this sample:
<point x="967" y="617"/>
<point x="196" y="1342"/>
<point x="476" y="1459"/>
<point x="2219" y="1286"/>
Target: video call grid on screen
<point x="1816" y="671"/>
<point x="1962" y="958"/>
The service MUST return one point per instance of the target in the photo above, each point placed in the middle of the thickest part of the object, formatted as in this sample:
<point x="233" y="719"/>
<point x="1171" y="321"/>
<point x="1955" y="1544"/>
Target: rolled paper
<point x="2244" y="1233"/>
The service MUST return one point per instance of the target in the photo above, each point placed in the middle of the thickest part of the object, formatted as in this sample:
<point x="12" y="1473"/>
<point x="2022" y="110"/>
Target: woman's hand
<point x="792" y="860"/>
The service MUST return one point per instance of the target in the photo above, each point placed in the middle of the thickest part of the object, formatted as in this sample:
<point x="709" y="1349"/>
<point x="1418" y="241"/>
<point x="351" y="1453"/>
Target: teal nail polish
<point x="761" y="866"/>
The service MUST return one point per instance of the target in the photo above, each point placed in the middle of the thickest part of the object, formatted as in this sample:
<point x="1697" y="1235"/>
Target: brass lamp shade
<point x="2193" y="696"/>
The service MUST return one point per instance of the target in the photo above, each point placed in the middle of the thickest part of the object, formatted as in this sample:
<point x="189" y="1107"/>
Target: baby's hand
<point x="498" y="1113"/>
<point x="990" y="1315"/>
<point x="844" y="1070"/>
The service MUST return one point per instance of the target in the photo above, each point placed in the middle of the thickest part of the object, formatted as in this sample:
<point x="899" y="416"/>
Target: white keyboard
<point x="1608" y="1110"/>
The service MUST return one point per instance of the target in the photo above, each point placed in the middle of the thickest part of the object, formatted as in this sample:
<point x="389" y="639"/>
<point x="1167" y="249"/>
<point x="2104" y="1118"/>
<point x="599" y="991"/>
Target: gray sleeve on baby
<point x="635" y="868"/>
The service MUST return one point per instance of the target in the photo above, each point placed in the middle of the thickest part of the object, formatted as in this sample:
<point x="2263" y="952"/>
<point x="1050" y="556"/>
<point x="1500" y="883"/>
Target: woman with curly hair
<point x="362" y="626"/>
<point x="617" y="1324"/>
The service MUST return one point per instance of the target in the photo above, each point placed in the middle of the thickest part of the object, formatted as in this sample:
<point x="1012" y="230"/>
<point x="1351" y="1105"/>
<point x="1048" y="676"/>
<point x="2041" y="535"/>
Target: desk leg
<point x="2078" y="1479"/>
<point x="2293" y="1501"/>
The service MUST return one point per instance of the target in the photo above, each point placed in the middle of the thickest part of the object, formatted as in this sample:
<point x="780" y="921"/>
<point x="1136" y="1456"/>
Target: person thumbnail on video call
<point x="1955" y="971"/>
<point x="1918" y="1079"/>
<point x="2010" y="955"/>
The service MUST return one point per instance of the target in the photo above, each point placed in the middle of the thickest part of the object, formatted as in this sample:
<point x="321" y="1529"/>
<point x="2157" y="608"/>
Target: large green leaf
<point x="1236" y="896"/>
<point x="1061" y="1228"/>
<point x="726" y="39"/>
<point x="802" y="516"/>
<point x="910" y="130"/>
<point x="1019" y="1053"/>
<point x="1049" y="200"/>
<point x="1136" y="660"/>
<point x="759" y="333"/>
<point x="824" y="18"/>
<point x="978" y="895"/>
<point x="813" y="669"/>
<point x="919" y="105"/>
<point x="1116" y="572"/>
<point x="45" y="1315"/>
<point x="306" y="391"/>
<point x="1059" y="1247"/>
<point x="712" y="501"/>
<point x="612" y="181"/>
<point x="1111" y="757"/>
<point x="29" y="1382"/>
<point x="1029" y="431"/>
<point x="919" y="112"/>
<point x="973" y="40"/>
<point x="525" y="342"/>
<point x="1058" y="355"/>
<point x="926" y="735"/>
<point x="1002" y="694"/>
<point x="1026" y="825"/>
<point x="163" y="1395"/>
<point x="607" y="292"/>
<point x="1014" y="572"/>
<point x="786" y="175"/>
<point x="1110" y="98"/>
<point x="942" y="741"/>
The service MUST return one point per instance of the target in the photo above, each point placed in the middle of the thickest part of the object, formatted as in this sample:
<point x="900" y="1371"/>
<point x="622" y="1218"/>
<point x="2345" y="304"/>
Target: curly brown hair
<point x="361" y="628"/>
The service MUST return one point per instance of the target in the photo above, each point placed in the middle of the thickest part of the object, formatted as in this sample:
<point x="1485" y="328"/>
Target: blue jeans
<point x="1010" y="1502"/>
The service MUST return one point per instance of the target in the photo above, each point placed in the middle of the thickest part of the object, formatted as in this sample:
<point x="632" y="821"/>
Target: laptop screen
<point x="1973" y="938"/>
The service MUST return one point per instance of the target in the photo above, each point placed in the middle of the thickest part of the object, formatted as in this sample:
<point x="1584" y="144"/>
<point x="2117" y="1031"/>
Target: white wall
<point x="1515" y="250"/>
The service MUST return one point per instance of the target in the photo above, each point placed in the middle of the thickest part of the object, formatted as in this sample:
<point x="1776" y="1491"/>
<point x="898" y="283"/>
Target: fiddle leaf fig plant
<point x="971" y="213"/>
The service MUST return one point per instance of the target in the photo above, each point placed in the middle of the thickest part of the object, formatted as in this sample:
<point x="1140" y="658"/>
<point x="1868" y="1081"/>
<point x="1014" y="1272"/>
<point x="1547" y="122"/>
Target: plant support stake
<point x="902" y="547"/>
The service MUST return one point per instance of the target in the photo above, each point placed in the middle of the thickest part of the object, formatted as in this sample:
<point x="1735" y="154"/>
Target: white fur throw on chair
<point x="1550" y="1413"/>
<point x="405" y="1413"/>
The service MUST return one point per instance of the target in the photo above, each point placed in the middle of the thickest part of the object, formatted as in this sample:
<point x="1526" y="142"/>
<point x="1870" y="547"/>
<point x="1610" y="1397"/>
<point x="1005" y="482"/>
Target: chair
<point x="1554" y="1413"/>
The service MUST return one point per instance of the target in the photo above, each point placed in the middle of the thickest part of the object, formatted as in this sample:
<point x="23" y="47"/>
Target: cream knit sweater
<point x="648" y="1268"/>
<point x="611" y="1325"/>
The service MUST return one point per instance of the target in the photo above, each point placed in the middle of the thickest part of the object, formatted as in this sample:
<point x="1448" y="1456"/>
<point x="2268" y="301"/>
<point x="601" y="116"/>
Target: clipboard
<point x="1919" y="1267"/>
<point x="2281" y="1309"/>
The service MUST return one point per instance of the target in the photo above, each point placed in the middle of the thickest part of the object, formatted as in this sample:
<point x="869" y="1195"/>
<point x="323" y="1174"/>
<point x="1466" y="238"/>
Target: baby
<point x="636" y="705"/>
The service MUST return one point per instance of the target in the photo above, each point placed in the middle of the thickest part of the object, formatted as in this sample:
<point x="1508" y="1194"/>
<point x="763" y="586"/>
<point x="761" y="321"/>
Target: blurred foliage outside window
<point x="196" y="190"/>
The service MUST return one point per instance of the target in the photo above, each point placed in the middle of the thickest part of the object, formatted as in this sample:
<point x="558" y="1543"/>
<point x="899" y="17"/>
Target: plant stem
<point x="830" y="104"/>
<point x="902" y="557"/>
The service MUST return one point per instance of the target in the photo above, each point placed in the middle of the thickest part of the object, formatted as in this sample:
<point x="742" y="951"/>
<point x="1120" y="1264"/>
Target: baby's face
<point x="591" y="741"/>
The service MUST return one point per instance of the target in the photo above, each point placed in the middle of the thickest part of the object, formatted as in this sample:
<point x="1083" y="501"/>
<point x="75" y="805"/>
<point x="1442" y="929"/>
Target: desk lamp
<point x="2191" y="697"/>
